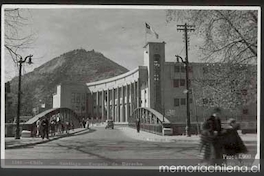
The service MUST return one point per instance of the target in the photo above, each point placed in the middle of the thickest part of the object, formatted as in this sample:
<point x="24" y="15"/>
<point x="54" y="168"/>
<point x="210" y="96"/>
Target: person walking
<point x="138" y="124"/>
<point x="211" y="140"/>
<point x="72" y="126"/>
<point x="87" y="124"/>
<point x="83" y="122"/>
<point x="38" y="127"/>
<point x="232" y="142"/>
<point x="68" y="126"/>
<point x="52" y="127"/>
<point x="206" y="141"/>
<point x="45" y="127"/>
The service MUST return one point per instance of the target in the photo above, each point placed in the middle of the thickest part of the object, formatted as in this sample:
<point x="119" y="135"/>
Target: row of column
<point x="117" y="103"/>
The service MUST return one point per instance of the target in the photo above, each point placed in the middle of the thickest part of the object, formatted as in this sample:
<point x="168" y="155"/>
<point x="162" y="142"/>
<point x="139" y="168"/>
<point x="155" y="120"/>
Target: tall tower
<point x="154" y="59"/>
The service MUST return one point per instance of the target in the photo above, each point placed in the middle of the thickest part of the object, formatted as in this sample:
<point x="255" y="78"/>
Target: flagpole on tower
<point x="145" y="35"/>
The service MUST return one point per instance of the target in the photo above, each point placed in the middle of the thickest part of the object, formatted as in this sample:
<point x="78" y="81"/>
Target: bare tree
<point x="229" y="36"/>
<point x="229" y="41"/>
<point x="17" y="33"/>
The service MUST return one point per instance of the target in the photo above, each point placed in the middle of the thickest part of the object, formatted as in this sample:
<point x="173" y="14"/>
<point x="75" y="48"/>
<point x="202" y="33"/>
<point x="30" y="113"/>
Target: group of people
<point x="46" y="126"/>
<point x="85" y="123"/>
<point x="218" y="143"/>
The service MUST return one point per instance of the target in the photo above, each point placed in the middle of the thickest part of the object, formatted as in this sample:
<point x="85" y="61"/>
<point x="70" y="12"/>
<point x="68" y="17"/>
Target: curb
<point x="43" y="141"/>
<point x="184" y="141"/>
<point x="151" y="139"/>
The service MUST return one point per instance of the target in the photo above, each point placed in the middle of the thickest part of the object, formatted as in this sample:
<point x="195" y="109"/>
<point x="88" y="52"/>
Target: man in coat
<point x="211" y="139"/>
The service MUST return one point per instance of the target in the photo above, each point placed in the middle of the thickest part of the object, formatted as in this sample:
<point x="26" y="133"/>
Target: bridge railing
<point x="150" y="120"/>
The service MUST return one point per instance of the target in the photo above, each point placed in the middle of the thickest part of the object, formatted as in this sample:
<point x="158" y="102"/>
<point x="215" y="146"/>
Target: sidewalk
<point x="146" y="136"/>
<point x="11" y="142"/>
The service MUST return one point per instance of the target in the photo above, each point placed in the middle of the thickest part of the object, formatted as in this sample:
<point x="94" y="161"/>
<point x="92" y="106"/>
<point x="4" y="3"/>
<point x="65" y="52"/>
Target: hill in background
<point x="78" y="66"/>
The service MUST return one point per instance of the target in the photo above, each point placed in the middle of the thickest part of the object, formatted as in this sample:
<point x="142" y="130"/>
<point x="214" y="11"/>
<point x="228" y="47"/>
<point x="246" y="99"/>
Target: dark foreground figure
<point x="218" y="143"/>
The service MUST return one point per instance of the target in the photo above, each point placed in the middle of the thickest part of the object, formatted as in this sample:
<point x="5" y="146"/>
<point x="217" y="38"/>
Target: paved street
<point x="109" y="146"/>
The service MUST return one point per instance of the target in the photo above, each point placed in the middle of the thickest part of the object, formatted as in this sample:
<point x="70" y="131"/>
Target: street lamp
<point x="21" y="61"/>
<point x="188" y="121"/>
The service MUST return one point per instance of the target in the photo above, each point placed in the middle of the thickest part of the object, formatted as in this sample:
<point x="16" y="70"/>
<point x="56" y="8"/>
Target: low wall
<point x="151" y="128"/>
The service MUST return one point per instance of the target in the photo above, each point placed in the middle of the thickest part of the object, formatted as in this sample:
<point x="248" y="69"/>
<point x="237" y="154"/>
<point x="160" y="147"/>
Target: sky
<point x="119" y="34"/>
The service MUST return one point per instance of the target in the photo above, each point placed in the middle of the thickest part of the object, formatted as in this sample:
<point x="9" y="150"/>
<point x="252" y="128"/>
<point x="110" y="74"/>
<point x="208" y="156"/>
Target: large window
<point x="182" y="69"/>
<point x="73" y="97"/>
<point x="183" y="101"/>
<point x="245" y="111"/>
<point x="205" y="70"/>
<point x="176" y="102"/>
<point x="176" y="83"/>
<point x="176" y="68"/>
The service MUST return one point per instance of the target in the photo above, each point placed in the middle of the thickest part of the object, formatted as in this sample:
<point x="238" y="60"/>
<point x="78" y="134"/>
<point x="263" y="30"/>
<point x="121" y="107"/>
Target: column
<point x="135" y="96"/>
<point x="113" y="104"/>
<point x="92" y="104"/>
<point x="138" y="95"/>
<point x="103" y="107"/>
<point x="97" y="104"/>
<point x="118" y="104"/>
<point x="108" y="104"/>
<point x="127" y="103"/>
<point x="123" y="105"/>
<point x="131" y="99"/>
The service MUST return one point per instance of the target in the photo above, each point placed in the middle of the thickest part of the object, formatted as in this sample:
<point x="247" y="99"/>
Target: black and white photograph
<point x="166" y="88"/>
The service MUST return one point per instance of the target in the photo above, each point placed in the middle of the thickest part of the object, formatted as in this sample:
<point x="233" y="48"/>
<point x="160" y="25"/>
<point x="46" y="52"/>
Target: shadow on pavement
<point x="31" y="145"/>
<point x="83" y="132"/>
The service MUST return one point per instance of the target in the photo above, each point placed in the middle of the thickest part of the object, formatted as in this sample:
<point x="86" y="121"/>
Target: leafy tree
<point x="229" y="41"/>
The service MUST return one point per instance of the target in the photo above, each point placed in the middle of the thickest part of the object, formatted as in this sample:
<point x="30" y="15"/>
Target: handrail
<point x="159" y="116"/>
<point x="47" y="112"/>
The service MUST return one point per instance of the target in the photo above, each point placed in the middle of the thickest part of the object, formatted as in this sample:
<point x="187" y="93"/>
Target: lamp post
<point x="188" y="121"/>
<point x="21" y="61"/>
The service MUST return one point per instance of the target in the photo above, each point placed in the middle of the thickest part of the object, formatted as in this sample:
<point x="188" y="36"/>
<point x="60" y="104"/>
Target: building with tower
<point x="156" y="90"/>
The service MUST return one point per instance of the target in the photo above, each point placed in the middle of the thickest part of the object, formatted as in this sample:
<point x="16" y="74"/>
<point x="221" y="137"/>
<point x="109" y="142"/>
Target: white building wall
<point x="57" y="98"/>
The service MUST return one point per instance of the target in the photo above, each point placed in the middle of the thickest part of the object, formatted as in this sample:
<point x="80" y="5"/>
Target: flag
<point x="149" y="30"/>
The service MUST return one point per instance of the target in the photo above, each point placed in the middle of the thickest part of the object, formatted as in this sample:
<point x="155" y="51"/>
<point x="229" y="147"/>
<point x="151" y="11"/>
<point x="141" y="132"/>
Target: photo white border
<point x="158" y="7"/>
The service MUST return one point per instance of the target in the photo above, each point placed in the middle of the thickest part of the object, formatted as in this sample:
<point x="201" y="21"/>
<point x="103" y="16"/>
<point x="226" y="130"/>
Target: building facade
<point x="157" y="84"/>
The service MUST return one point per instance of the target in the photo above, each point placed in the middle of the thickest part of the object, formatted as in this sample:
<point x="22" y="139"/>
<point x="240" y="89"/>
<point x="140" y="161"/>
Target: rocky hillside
<point x="78" y="66"/>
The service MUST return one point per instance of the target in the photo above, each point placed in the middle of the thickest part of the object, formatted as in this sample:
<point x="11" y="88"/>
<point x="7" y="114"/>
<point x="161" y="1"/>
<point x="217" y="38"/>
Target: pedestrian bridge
<point x="64" y="114"/>
<point x="150" y="121"/>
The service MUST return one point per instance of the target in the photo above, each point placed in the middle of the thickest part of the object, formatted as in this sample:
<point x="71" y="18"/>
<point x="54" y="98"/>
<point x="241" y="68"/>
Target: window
<point x="78" y="97"/>
<point x="156" y="77"/>
<point x="205" y="70"/>
<point x="182" y="82"/>
<point x="183" y="101"/>
<point x="244" y="92"/>
<point x="205" y="101"/>
<point x="176" y="102"/>
<point x="157" y="60"/>
<point x="245" y="111"/>
<point x="190" y="100"/>
<point x="182" y="69"/>
<point x="73" y="97"/>
<point x="176" y="83"/>
<point x="190" y="69"/>
<point x="176" y="68"/>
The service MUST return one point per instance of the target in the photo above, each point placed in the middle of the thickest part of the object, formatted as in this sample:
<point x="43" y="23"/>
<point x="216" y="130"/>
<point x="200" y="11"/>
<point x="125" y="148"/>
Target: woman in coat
<point x="232" y="143"/>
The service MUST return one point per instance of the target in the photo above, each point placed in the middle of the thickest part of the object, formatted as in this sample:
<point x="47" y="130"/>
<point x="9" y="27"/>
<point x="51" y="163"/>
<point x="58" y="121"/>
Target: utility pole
<point x="21" y="61"/>
<point x="186" y="28"/>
